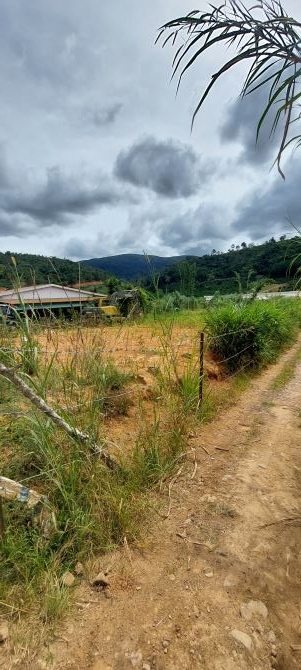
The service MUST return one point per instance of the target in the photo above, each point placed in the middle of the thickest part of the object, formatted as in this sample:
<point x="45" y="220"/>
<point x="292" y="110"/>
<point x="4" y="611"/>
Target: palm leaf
<point x="272" y="40"/>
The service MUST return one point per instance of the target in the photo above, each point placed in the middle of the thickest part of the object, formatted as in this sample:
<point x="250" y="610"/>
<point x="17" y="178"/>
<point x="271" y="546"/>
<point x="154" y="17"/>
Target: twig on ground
<point x="195" y="465"/>
<point x="274" y="523"/>
<point x="171" y="483"/>
<point x="84" y="438"/>
<point x="222" y="448"/>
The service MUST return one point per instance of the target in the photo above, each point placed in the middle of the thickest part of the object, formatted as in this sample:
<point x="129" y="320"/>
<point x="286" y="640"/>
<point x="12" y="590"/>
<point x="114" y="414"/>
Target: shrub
<point x="251" y="334"/>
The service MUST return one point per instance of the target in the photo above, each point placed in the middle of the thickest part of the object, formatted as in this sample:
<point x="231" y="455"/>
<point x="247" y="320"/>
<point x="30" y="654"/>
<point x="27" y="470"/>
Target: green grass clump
<point x="95" y="508"/>
<point x="286" y="373"/>
<point x="252" y="334"/>
<point x="159" y="448"/>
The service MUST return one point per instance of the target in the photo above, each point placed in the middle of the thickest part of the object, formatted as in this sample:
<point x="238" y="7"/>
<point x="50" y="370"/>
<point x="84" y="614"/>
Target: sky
<point x="97" y="156"/>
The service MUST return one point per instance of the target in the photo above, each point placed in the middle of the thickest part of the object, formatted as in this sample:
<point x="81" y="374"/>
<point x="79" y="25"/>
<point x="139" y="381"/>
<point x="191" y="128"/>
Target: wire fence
<point x="131" y="348"/>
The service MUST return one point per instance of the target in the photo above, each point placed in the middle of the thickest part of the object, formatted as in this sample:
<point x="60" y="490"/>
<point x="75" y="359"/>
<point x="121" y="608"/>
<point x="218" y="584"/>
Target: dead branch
<point x="84" y="438"/>
<point x="287" y="519"/>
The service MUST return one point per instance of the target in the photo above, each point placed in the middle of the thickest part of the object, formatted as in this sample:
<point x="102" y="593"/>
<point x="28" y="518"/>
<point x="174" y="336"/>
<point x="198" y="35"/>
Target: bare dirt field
<point x="215" y="584"/>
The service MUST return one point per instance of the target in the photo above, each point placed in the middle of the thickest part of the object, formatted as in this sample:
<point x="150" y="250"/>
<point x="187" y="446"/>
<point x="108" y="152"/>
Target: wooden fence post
<point x="202" y="340"/>
<point x="2" y="526"/>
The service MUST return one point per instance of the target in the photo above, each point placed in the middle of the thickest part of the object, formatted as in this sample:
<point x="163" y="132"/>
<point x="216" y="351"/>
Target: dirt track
<point x="231" y="534"/>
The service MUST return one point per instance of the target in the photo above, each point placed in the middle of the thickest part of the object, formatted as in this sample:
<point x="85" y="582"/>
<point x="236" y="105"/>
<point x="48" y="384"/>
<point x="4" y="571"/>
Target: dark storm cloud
<point x="194" y="227"/>
<point x="58" y="198"/>
<point x="168" y="168"/>
<point x="197" y="230"/>
<point x="62" y="195"/>
<point x="240" y="125"/>
<point x="267" y="211"/>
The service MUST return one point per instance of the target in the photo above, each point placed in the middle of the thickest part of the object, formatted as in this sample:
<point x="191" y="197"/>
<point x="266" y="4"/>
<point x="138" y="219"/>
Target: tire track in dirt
<point x="227" y="540"/>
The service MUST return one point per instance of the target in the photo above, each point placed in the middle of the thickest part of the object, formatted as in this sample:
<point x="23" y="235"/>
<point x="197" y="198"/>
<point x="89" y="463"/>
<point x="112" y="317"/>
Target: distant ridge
<point x="133" y="266"/>
<point x="35" y="269"/>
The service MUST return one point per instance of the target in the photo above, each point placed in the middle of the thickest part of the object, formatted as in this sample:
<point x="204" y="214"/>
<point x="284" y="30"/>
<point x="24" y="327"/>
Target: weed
<point x="96" y="508"/>
<point x="221" y="509"/>
<point x="287" y="373"/>
<point x="158" y="449"/>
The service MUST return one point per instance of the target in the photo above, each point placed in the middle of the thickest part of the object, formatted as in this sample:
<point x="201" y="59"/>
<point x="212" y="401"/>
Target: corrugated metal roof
<point x="47" y="293"/>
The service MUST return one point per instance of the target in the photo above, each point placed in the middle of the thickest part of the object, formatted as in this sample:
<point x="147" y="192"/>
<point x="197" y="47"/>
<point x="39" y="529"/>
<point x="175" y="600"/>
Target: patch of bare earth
<point x="216" y="585"/>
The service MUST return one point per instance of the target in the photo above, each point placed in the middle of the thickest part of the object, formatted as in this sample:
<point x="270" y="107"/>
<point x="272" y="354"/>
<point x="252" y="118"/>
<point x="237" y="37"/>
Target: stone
<point x="208" y="574"/>
<point x="135" y="658"/>
<point x="253" y="608"/>
<point x="100" y="582"/>
<point x="3" y="632"/>
<point x="165" y="644"/>
<point x="146" y="666"/>
<point x="243" y="639"/>
<point x="272" y="637"/>
<point x="79" y="569"/>
<point x="208" y="498"/>
<point x="230" y="581"/>
<point x="68" y="579"/>
<point x="172" y="578"/>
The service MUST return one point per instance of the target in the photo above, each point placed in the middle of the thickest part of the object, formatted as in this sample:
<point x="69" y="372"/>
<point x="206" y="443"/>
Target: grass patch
<point x="250" y="335"/>
<point x="287" y="372"/>
<point x="220" y="397"/>
<point x="96" y="508"/>
<point x="181" y="317"/>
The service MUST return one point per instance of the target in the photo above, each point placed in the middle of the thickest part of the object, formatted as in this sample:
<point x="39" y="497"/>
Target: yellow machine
<point x="109" y="310"/>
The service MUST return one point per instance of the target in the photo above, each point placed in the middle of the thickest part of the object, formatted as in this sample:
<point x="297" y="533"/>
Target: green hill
<point x="270" y="263"/>
<point x="34" y="269"/>
<point x="132" y="266"/>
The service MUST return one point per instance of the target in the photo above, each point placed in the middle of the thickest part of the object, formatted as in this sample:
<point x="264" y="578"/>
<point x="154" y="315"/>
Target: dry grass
<point x="134" y="386"/>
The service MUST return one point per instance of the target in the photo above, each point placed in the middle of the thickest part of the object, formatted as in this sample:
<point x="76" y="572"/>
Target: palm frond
<point x="265" y="37"/>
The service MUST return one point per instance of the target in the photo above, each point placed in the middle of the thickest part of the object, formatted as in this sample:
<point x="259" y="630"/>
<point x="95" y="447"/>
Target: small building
<point x="49" y="298"/>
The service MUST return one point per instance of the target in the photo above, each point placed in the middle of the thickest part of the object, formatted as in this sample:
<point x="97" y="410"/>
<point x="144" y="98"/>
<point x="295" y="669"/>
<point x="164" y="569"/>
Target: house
<point x="49" y="298"/>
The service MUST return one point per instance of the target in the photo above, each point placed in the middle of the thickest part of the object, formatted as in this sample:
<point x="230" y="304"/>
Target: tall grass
<point x="252" y="334"/>
<point x="175" y="302"/>
<point x="95" y="508"/>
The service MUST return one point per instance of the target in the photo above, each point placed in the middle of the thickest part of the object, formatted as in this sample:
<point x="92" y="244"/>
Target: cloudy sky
<point x="96" y="153"/>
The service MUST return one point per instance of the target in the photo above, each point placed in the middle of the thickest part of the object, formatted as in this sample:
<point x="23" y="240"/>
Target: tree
<point x="113" y="285"/>
<point x="263" y="36"/>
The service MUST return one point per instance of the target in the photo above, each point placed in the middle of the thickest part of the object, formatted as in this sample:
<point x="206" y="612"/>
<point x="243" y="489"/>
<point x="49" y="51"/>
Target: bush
<point x="174" y="302"/>
<point x="252" y="334"/>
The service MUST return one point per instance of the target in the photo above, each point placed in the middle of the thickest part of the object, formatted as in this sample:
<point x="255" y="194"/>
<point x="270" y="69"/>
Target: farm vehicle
<point x="116" y="307"/>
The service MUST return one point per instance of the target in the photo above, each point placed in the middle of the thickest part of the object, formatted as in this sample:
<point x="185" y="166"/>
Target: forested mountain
<point x="33" y="269"/>
<point x="132" y="266"/>
<point x="239" y="268"/>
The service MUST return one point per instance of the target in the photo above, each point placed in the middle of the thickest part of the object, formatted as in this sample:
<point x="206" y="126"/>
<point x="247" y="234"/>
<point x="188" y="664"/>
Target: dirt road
<point x="217" y="586"/>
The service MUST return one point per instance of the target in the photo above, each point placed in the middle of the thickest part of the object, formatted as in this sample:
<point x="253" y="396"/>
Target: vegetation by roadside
<point x="91" y="388"/>
<point x="287" y="372"/>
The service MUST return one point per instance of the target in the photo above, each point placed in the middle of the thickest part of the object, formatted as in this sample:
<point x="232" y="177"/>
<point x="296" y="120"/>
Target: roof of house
<point x="47" y="293"/>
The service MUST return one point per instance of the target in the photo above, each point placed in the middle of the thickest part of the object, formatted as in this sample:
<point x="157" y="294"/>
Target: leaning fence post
<point x="202" y="340"/>
<point x="1" y="520"/>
